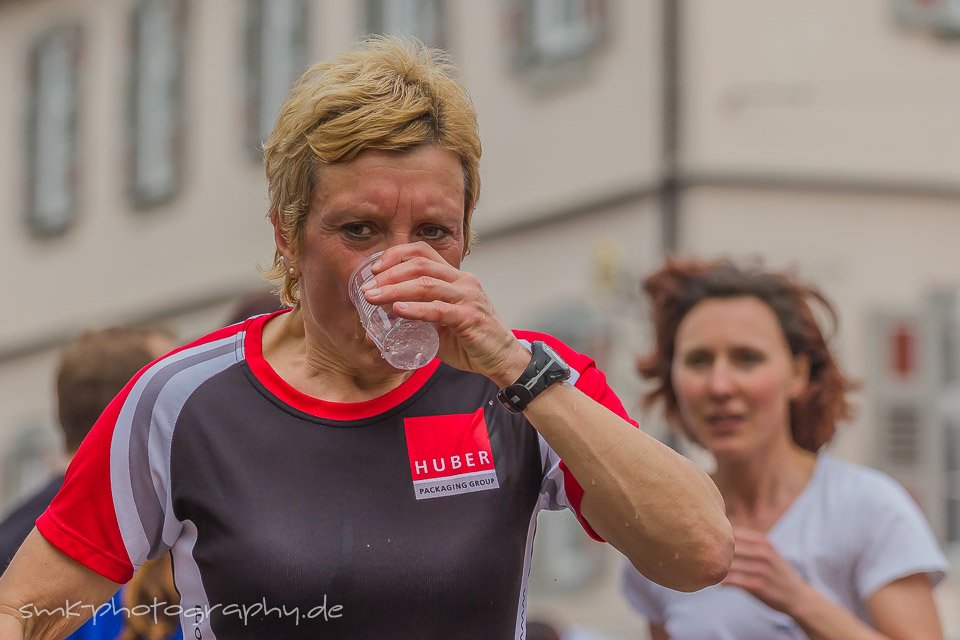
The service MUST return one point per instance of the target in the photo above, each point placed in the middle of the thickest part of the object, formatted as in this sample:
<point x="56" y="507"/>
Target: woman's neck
<point x="759" y="489"/>
<point x="315" y="368"/>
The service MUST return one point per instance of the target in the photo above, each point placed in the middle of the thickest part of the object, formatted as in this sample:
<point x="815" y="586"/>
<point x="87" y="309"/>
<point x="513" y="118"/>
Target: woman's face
<point x="374" y="201"/>
<point x="734" y="377"/>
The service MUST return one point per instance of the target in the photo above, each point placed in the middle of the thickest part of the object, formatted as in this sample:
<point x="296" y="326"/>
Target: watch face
<point x="545" y="369"/>
<point x="550" y="352"/>
<point x="557" y="360"/>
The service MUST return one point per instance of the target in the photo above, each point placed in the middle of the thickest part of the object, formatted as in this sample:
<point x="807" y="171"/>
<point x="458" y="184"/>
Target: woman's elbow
<point x="702" y="565"/>
<point x="716" y="555"/>
<point x="710" y="568"/>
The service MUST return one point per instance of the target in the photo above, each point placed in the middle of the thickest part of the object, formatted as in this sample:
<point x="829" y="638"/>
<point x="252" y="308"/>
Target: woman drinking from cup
<point x="290" y="468"/>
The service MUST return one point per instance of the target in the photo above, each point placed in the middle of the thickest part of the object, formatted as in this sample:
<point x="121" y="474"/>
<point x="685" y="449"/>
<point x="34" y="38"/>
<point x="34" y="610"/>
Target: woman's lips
<point x="725" y="421"/>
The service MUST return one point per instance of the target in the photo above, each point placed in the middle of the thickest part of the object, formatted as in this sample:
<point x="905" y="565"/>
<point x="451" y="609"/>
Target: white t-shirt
<point x="851" y="531"/>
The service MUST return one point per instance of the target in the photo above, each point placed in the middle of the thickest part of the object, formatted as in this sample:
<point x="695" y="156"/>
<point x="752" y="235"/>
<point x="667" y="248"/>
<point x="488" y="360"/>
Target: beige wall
<point x="835" y="89"/>
<point x="564" y="144"/>
<point x="526" y="272"/>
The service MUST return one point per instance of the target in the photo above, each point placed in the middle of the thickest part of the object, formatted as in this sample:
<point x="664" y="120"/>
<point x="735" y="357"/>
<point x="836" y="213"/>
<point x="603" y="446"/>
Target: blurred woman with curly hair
<point x="824" y="548"/>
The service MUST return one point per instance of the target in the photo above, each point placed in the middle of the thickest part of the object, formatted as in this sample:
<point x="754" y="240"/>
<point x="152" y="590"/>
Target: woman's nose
<point x="720" y="382"/>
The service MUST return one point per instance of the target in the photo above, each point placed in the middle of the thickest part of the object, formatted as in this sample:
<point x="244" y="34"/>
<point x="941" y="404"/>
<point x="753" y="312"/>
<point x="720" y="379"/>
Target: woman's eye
<point x="748" y="357"/>
<point x="358" y="230"/>
<point x="697" y="360"/>
<point x="434" y="233"/>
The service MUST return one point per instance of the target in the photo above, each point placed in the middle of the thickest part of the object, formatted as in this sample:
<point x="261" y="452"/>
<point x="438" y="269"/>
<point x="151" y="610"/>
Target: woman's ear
<point x="283" y="244"/>
<point x="801" y="376"/>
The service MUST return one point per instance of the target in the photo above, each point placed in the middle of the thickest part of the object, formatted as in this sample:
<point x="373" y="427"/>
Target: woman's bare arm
<point x="655" y="506"/>
<point x="902" y="609"/>
<point x="46" y="594"/>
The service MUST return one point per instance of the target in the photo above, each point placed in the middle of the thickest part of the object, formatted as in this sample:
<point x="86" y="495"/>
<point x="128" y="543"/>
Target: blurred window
<point x="550" y="32"/>
<point x="276" y="43"/>
<point x="156" y="88"/>
<point x="423" y="19"/>
<point x="52" y="130"/>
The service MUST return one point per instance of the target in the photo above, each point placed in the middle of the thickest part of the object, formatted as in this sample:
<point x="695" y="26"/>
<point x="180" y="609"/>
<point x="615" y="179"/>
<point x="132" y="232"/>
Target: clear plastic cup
<point x="405" y="344"/>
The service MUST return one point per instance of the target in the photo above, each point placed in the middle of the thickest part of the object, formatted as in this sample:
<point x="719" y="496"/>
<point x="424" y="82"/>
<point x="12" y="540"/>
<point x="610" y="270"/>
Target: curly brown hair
<point x="678" y="286"/>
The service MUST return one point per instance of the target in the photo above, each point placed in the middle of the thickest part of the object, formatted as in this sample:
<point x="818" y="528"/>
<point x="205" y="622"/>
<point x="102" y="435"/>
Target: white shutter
<point x="902" y="391"/>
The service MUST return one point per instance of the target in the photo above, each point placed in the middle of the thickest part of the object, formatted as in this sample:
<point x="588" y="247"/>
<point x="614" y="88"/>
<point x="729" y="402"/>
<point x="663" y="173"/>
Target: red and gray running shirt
<point x="408" y="516"/>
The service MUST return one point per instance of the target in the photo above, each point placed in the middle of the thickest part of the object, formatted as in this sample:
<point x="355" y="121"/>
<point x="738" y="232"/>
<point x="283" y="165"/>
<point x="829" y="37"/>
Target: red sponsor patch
<point x="450" y="454"/>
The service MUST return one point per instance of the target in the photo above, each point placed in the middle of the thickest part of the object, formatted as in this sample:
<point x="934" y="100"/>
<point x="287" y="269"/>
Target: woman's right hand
<point x="902" y="609"/>
<point x="759" y="569"/>
<point x="421" y="285"/>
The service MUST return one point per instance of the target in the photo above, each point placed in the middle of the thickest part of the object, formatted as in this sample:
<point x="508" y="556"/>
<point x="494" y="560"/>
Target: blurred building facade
<point x="816" y="136"/>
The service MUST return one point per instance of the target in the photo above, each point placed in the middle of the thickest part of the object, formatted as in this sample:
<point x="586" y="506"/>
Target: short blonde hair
<point x="386" y="94"/>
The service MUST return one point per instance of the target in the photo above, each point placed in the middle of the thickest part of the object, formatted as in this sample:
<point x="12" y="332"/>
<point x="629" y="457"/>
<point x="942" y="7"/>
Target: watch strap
<point x="544" y="369"/>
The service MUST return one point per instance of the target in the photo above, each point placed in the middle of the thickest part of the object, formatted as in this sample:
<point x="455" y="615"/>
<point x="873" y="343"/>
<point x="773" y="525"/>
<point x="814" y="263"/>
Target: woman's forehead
<point x="429" y="175"/>
<point x="744" y="318"/>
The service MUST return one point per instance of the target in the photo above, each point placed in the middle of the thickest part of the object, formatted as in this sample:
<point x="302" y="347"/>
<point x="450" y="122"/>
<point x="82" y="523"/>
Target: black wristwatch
<point x="545" y="368"/>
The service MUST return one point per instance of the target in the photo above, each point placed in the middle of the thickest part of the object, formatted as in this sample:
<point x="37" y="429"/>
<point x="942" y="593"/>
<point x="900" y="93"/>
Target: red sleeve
<point x="593" y="383"/>
<point x="81" y="521"/>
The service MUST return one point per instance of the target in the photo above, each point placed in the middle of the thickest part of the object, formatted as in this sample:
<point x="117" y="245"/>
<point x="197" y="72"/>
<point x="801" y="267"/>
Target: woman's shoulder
<point x="232" y="337"/>
<point x="884" y="527"/>
<point x="860" y="483"/>
<point x="202" y="358"/>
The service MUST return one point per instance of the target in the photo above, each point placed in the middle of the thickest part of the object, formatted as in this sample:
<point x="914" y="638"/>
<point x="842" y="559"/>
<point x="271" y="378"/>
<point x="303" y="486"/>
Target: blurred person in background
<point x="92" y="370"/>
<point x="284" y="462"/>
<point x="824" y="548"/>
